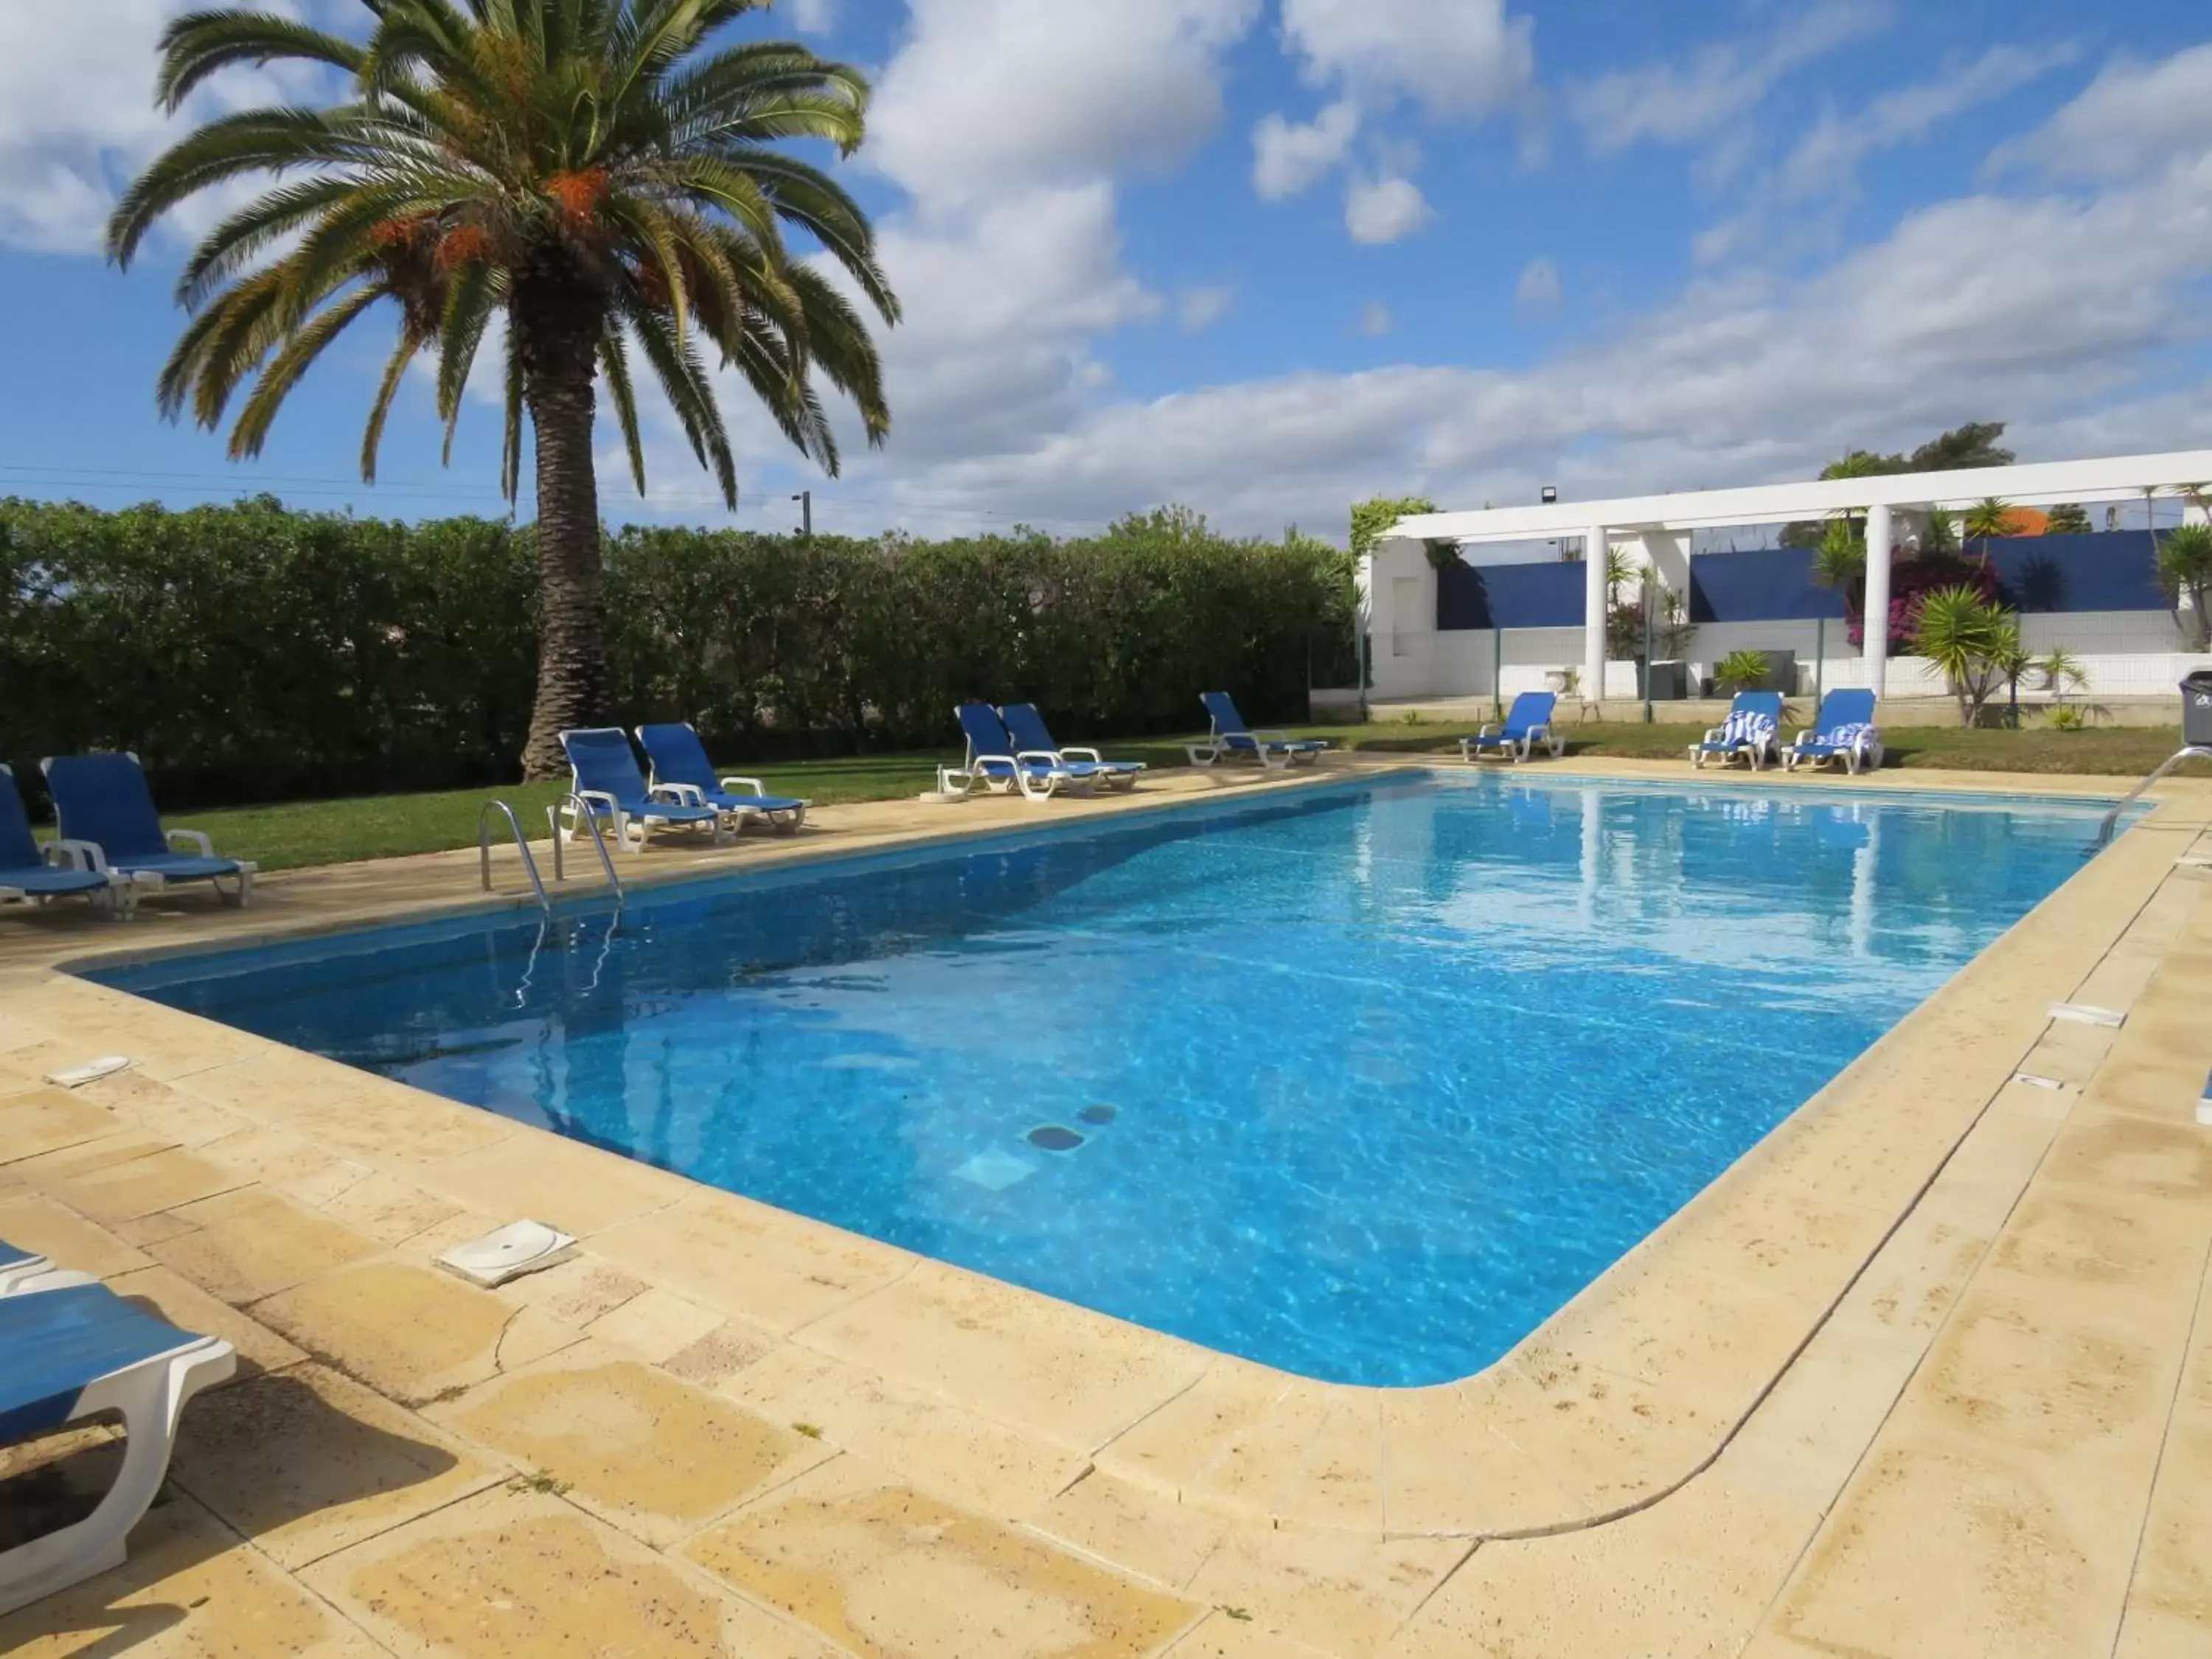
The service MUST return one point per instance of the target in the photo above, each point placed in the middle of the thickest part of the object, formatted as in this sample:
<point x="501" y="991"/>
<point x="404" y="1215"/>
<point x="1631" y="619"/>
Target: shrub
<point x="1742" y="671"/>
<point x="2184" y="571"/>
<point x="250" y="653"/>
<point x="1973" y="642"/>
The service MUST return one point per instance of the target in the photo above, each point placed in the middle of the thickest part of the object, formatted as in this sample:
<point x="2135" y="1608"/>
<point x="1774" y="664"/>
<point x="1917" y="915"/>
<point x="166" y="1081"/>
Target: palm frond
<point x="201" y="44"/>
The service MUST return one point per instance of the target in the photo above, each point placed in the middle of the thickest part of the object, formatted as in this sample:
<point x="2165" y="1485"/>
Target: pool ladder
<point x="579" y="811"/>
<point x="2193" y="751"/>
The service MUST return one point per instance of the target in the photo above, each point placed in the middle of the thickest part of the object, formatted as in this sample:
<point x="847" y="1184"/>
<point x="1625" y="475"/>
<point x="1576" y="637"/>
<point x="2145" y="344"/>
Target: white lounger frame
<point x="631" y="828"/>
<point x="36" y="1274"/>
<point x="1105" y="777"/>
<point x="1865" y="755"/>
<point x="1758" y="754"/>
<point x="963" y="780"/>
<point x="151" y="1396"/>
<point x="1277" y="751"/>
<point x="1474" y="749"/>
<point x="785" y="819"/>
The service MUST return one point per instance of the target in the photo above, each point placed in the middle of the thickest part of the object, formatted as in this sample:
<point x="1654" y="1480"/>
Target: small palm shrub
<point x="2184" y="571"/>
<point x="1741" y="671"/>
<point x="1973" y="642"/>
<point x="2062" y="671"/>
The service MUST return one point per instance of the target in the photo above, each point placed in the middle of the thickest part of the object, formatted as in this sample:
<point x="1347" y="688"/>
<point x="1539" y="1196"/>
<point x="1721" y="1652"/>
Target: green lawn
<point x="303" y="833"/>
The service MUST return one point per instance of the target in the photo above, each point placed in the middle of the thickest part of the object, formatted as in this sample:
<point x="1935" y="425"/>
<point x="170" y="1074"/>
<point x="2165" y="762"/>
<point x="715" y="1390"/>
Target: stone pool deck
<point x="1929" y="1372"/>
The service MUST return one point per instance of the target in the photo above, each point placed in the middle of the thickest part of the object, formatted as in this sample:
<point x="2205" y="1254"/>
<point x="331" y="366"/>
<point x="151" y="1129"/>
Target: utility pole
<point x="805" y="499"/>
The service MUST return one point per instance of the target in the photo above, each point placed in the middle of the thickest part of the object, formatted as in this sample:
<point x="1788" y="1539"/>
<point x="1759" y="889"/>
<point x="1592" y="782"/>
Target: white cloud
<point x="1461" y="60"/>
<point x="1539" y="288"/>
<point x="985" y="95"/>
<point x="814" y="16"/>
<point x="1198" y="308"/>
<point x="1375" y="317"/>
<point x="1759" y="377"/>
<point x="77" y="115"/>
<point x="2133" y="116"/>
<point x="1288" y="156"/>
<point x="1828" y="156"/>
<point x="1679" y="103"/>
<point x="1383" y="209"/>
<point x="1458" y="58"/>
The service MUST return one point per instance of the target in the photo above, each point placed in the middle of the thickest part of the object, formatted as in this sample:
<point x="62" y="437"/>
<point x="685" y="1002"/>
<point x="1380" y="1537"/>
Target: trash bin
<point x="2196" y="709"/>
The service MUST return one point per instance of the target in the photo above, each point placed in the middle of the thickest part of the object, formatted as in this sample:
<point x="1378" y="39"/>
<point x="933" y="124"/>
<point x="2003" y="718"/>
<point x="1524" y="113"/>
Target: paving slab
<point x="308" y="1462"/>
<point x="246" y="1244"/>
<point x="191" y="1589"/>
<point x="409" y="1333"/>
<point x="516" y="1574"/>
<point x="655" y="1456"/>
<point x="887" y="1573"/>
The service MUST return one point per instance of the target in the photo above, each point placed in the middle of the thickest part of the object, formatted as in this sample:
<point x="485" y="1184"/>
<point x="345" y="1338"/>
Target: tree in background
<point x="1974" y="444"/>
<point x="1371" y="519"/>
<point x="1839" y="560"/>
<point x="2067" y="519"/>
<point x="586" y="170"/>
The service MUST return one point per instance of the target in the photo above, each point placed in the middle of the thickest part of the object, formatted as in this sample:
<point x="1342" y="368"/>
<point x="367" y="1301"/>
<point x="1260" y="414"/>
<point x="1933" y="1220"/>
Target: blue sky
<point x="1264" y="256"/>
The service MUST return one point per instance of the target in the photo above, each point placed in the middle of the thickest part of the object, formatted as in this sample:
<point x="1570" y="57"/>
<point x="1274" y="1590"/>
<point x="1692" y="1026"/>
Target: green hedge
<point x="252" y="652"/>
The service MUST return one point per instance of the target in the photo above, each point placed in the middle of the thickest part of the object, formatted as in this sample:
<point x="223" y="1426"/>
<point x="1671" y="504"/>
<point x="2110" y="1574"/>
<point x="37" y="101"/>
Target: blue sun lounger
<point x="106" y="811"/>
<point x="604" y="775"/>
<point x="679" y="763"/>
<point x="36" y="874"/>
<point x="1026" y="727"/>
<point x="1843" y="731"/>
<point x="998" y="764"/>
<point x="1528" y="723"/>
<point x="70" y="1353"/>
<point x="1275" y="750"/>
<point x="1752" y="733"/>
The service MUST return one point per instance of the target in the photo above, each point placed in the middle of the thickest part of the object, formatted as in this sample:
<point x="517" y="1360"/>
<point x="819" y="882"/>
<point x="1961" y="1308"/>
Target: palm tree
<point x="1987" y="520"/>
<point x="585" y="168"/>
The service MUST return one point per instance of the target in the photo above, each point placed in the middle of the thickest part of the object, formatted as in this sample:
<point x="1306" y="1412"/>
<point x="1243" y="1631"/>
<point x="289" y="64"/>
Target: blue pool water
<point x="1368" y="1083"/>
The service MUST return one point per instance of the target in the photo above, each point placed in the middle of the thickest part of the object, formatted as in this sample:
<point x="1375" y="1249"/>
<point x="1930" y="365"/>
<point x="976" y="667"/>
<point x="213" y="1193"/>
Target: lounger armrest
<point x="1715" y="733"/>
<point x="1805" y="737"/>
<point x="197" y="838"/>
<point x="77" y="855"/>
<point x="598" y="799"/>
<point x="1090" y="755"/>
<point x="680" y="794"/>
<point x="1273" y="737"/>
<point x="1050" y="757"/>
<point x="753" y="784"/>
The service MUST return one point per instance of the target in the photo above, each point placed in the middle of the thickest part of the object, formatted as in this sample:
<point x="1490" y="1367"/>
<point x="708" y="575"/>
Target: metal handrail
<point x="578" y="807"/>
<point x="521" y="846"/>
<point x="2194" y="751"/>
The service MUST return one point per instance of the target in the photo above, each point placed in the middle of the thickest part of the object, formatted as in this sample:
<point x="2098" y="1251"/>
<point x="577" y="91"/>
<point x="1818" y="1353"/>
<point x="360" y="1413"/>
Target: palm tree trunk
<point x="557" y="319"/>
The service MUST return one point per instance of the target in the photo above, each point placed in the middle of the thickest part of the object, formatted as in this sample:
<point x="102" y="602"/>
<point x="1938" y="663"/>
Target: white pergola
<point x="1661" y="524"/>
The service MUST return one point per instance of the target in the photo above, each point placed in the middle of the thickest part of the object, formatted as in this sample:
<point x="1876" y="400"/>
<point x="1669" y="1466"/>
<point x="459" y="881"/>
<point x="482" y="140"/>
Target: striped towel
<point x="1748" y="727"/>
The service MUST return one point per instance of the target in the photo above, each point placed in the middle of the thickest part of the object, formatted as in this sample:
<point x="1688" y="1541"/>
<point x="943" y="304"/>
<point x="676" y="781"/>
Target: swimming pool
<point x="1363" y="1081"/>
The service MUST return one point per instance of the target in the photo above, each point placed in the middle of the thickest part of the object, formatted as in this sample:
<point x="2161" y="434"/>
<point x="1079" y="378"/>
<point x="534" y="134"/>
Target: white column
<point x="1595" y="547"/>
<point x="1876" y="649"/>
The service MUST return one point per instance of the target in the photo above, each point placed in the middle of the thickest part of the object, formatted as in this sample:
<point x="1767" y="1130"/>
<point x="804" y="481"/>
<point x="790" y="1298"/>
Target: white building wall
<point x="2124" y="653"/>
